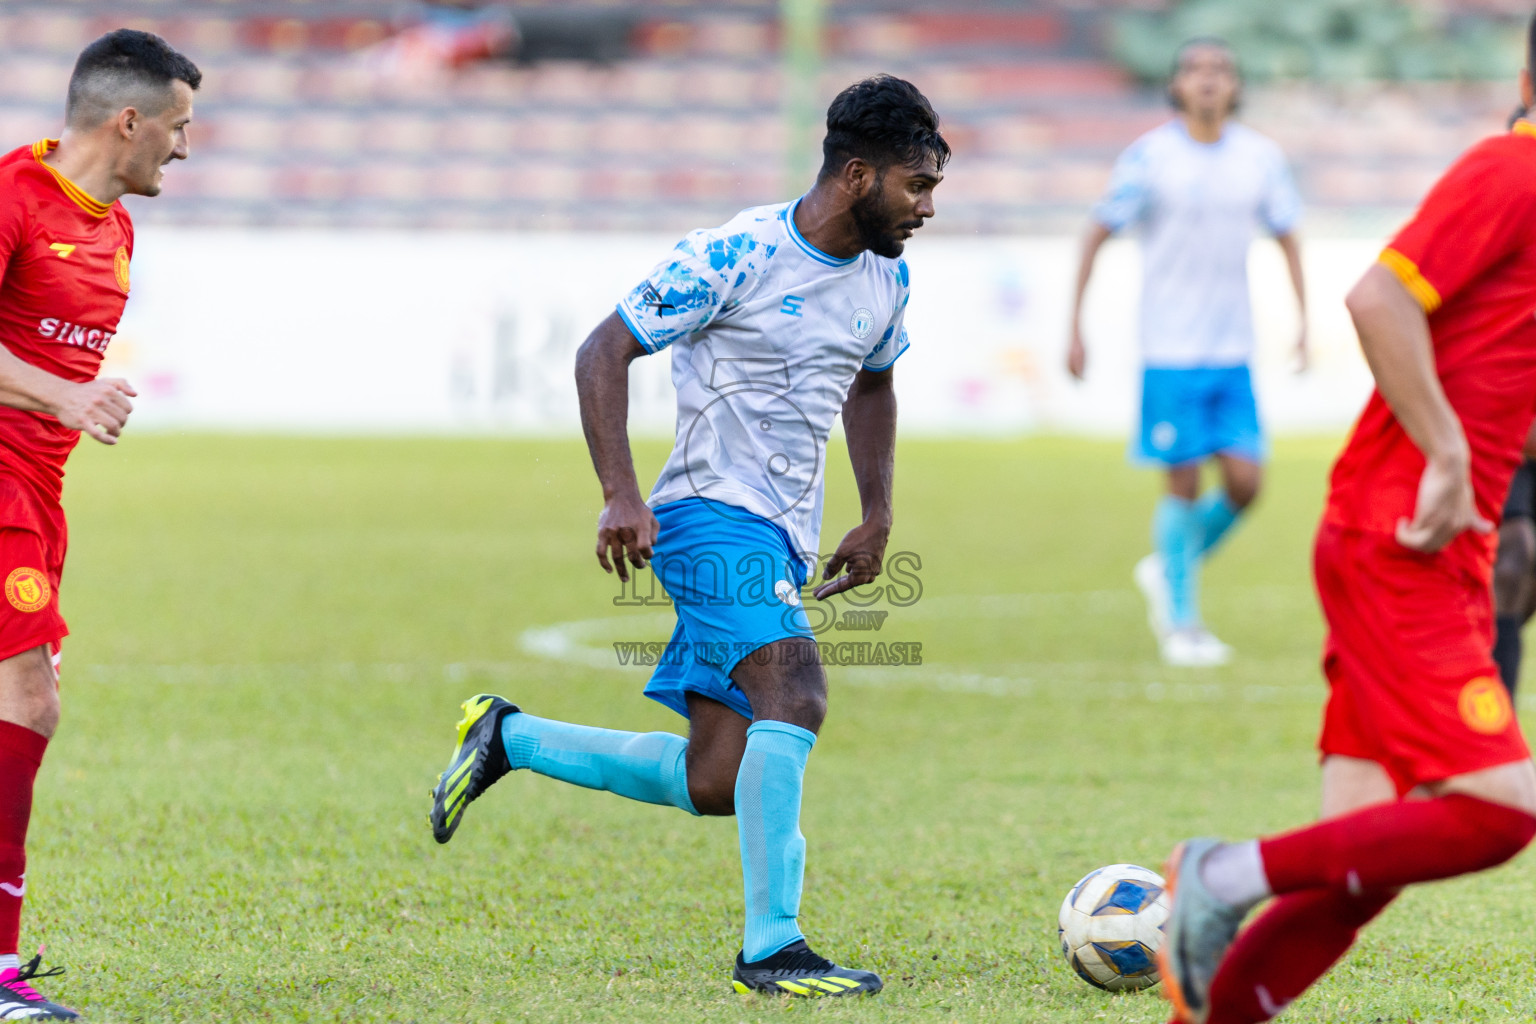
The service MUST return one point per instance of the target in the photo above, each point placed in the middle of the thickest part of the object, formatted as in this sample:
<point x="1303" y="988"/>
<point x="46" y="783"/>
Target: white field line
<point x="585" y="642"/>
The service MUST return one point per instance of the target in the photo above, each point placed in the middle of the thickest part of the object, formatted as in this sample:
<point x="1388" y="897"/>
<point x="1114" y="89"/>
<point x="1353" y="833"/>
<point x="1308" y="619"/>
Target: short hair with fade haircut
<point x="882" y="120"/>
<point x="118" y="67"/>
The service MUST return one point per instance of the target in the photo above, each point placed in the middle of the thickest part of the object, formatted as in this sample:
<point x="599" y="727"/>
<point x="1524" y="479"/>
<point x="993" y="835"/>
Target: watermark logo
<point x="754" y="585"/>
<point x="846" y="654"/>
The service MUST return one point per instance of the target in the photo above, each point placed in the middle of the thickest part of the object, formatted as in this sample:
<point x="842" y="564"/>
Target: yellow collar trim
<point x="76" y="194"/>
<point x="1523" y="127"/>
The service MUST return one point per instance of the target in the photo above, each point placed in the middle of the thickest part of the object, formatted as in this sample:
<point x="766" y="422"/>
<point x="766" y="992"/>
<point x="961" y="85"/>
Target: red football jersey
<point x="63" y="283"/>
<point x="1469" y="257"/>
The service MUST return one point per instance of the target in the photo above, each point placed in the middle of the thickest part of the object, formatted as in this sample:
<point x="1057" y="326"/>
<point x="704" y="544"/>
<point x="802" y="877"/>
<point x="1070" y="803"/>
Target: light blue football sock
<point x="1176" y="534"/>
<point x="651" y="767"/>
<point x="1216" y="515"/>
<point x="768" y="821"/>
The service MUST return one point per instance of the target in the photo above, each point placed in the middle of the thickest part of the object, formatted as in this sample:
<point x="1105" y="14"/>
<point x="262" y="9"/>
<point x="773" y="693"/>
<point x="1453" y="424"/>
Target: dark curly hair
<point x="119" y="63"/>
<point x="882" y="120"/>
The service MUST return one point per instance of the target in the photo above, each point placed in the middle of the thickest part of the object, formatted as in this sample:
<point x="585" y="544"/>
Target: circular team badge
<point x="27" y="590"/>
<point x="862" y="324"/>
<point x="1484" y="706"/>
<point x="120" y="267"/>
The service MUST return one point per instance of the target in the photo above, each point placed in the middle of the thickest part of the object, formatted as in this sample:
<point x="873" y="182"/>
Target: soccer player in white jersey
<point x="1198" y="187"/>
<point x="777" y="321"/>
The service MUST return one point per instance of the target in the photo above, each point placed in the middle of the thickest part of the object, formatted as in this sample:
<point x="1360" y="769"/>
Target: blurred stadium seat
<point x="670" y="117"/>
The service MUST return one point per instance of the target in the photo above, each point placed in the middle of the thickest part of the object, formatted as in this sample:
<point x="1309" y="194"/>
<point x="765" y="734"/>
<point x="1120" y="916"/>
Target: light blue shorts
<point x="735" y="580"/>
<point x="1188" y="415"/>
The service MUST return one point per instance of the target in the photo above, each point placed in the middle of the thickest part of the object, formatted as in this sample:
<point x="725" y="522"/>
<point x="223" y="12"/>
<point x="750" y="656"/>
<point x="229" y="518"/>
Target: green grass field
<point x="272" y="637"/>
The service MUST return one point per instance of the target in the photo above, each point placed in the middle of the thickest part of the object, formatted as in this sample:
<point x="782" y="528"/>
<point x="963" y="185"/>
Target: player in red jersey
<point x="1425" y="772"/>
<point x="66" y="245"/>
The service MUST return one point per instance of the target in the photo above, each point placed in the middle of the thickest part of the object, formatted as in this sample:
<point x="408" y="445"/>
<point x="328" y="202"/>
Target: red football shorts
<point x="1413" y="684"/>
<point x="29" y="612"/>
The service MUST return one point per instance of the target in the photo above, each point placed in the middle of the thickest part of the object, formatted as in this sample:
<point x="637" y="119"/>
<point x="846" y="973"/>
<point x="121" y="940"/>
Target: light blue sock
<point x="1216" y="514"/>
<point x="772" y="848"/>
<point x="651" y="767"/>
<point x="1176" y="533"/>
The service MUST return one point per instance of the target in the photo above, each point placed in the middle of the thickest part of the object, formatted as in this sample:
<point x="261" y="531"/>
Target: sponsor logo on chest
<point x="79" y="335"/>
<point x="861" y="324"/>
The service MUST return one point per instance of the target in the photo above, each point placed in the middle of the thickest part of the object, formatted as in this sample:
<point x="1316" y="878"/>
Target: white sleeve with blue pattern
<point x="706" y="275"/>
<point x="1282" y="202"/>
<point x="1125" y="201"/>
<point x="893" y="340"/>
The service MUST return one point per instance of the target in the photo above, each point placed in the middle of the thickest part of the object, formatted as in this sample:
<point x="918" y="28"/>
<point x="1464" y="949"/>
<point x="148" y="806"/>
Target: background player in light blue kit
<point x="1197" y="187"/>
<point x="777" y="321"/>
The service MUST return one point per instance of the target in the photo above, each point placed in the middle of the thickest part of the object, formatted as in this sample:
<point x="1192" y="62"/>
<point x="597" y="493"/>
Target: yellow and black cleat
<point x="797" y="971"/>
<point x="478" y="760"/>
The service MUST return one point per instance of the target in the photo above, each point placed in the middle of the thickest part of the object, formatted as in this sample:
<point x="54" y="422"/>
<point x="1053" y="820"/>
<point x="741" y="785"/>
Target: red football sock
<point x="21" y="752"/>
<point x="1388" y="846"/>
<point x="1290" y="946"/>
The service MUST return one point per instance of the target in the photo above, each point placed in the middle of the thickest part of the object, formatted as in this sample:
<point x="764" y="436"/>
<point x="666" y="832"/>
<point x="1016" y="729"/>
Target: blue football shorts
<point x="1188" y="415"/>
<point x="735" y="580"/>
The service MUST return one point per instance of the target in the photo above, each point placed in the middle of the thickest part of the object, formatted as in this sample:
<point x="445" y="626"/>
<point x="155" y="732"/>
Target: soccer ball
<point x="1111" y="924"/>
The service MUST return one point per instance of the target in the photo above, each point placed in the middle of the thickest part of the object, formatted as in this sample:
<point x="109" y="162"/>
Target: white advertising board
<point x="475" y="333"/>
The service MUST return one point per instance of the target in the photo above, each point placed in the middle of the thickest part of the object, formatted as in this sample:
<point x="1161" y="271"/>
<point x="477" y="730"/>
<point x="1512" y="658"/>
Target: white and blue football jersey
<point x="1198" y="206"/>
<point x="767" y="333"/>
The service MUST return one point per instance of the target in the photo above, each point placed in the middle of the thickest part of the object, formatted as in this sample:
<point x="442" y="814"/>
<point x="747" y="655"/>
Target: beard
<point x="879" y="228"/>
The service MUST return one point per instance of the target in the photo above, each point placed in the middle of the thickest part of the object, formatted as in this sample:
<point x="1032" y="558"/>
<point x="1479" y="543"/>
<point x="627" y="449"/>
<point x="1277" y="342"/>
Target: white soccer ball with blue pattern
<point x="1111" y="924"/>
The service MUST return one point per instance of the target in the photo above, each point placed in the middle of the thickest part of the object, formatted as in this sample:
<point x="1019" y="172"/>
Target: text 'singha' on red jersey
<point x="64" y="258"/>
<point x="1469" y="257"/>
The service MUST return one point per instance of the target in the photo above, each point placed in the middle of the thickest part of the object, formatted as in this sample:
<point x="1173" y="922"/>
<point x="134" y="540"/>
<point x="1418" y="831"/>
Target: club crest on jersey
<point x="27" y="590"/>
<point x="1484" y="706"/>
<point x="120" y="267"/>
<point x="862" y="324"/>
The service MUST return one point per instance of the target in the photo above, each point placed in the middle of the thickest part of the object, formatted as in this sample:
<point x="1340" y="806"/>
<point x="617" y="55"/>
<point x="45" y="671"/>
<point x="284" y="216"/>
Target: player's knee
<point x="1515" y="837"/>
<point x="712" y="778"/>
<point x="803" y="695"/>
<point x="1243" y="491"/>
<point x="805" y="704"/>
<point x="810" y="711"/>
<point x="32" y="701"/>
<point x="1184" y="482"/>
<point x="40" y="713"/>
<point x="713" y="796"/>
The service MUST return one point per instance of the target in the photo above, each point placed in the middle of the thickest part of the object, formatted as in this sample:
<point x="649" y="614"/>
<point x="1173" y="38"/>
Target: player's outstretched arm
<point x="100" y="408"/>
<point x="869" y="421"/>
<point x="1394" y="335"/>
<point x="1077" y="351"/>
<point x="627" y="529"/>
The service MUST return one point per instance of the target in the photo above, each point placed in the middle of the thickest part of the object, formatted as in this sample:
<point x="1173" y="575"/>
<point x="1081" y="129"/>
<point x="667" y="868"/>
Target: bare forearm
<point x="602" y="387"/>
<point x="1094" y="240"/>
<point x="869" y="421"/>
<point x="1291" y="246"/>
<point x="24" y="386"/>
<point x="1394" y="335"/>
